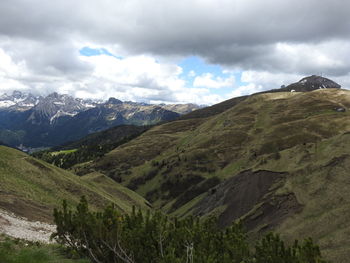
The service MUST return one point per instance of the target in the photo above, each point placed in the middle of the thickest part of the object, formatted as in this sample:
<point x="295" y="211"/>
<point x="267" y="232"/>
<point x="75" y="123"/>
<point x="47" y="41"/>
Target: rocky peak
<point x="54" y="96"/>
<point x="56" y="105"/>
<point x="17" y="94"/>
<point x="113" y="101"/>
<point x="311" y="83"/>
<point x="18" y="100"/>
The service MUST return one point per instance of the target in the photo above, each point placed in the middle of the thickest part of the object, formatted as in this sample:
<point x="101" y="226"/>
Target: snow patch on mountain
<point x="6" y="103"/>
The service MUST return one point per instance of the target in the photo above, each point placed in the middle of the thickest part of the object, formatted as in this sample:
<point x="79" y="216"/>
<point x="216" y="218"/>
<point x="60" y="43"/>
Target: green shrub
<point x="110" y="236"/>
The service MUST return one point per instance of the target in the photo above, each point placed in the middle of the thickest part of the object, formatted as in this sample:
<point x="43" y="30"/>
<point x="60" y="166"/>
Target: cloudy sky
<point x="201" y="51"/>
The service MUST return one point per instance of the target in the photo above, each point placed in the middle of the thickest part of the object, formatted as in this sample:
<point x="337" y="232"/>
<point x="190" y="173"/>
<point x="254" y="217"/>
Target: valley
<point x="266" y="160"/>
<point x="276" y="161"/>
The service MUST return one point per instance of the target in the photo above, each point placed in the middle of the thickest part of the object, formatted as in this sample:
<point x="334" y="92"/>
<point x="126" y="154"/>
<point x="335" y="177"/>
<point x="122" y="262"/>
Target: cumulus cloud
<point x="11" y="72"/>
<point x="246" y="90"/>
<point x="268" y="80"/>
<point x="269" y="39"/>
<point x="135" y="78"/>
<point x="208" y="80"/>
<point x="143" y="78"/>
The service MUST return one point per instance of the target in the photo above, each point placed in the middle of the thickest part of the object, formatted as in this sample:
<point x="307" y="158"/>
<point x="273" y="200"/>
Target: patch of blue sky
<point x="88" y="52"/>
<point x="199" y="66"/>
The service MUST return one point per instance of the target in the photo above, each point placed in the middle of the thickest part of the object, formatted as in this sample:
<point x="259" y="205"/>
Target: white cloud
<point x="344" y="81"/>
<point x="142" y="78"/>
<point x="11" y="73"/>
<point x="208" y="80"/>
<point x="257" y="81"/>
<point x="11" y="69"/>
<point x="268" y="80"/>
<point x="246" y="90"/>
<point x="138" y="71"/>
<point x="134" y="78"/>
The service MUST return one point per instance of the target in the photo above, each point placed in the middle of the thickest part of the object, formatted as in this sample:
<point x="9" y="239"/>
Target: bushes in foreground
<point x="110" y="236"/>
<point x="21" y="251"/>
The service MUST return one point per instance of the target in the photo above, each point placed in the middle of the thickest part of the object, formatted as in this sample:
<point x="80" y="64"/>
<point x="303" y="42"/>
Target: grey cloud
<point x="48" y="59"/>
<point x="159" y="96"/>
<point x="240" y="34"/>
<point x="196" y="27"/>
<point x="178" y="26"/>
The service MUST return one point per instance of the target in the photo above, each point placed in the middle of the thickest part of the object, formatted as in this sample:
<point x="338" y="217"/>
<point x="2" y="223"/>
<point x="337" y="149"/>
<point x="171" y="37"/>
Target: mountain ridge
<point x="32" y="121"/>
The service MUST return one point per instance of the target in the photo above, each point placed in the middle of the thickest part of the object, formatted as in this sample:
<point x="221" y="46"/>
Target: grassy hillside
<point x="90" y="147"/>
<point x="214" y="109"/>
<point x="275" y="160"/>
<point x="110" y="136"/>
<point x="32" y="188"/>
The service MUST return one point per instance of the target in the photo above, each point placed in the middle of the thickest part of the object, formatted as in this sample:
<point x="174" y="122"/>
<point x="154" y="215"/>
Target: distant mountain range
<point x="36" y="121"/>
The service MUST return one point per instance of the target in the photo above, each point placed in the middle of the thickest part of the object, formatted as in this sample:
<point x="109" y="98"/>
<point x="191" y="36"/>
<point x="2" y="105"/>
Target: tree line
<point x="81" y="154"/>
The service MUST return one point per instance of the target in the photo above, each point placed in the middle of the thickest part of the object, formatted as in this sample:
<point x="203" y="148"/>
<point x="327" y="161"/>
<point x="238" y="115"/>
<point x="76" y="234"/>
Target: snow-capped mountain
<point x="38" y="121"/>
<point x="44" y="108"/>
<point x="56" y="105"/>
<point x="18" y="100"/>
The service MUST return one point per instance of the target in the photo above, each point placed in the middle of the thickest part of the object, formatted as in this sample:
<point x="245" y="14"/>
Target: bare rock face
<point x="20" y="227"/>
<point x="311" y="83"/>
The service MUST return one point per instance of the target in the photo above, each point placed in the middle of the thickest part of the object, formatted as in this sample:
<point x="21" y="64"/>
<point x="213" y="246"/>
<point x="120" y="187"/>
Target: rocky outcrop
<point x="311" y="83"/>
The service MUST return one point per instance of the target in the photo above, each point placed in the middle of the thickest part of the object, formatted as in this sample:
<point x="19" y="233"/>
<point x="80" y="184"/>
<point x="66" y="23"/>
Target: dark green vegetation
<point x="149" y="238"/>
<point x="277" y="161"/>
<point x="17" y="251"/>
<point x="32" y="188"/>
<point x="91" y="146"/>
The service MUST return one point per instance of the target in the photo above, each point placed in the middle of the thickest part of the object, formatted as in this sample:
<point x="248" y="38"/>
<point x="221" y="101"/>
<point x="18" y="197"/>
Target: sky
<point x="161" y="51"/>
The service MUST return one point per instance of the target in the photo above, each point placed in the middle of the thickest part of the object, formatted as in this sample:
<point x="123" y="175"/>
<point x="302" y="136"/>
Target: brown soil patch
<point x="273" y="211"/>
<point x="26" y="208"/>
<point x="337" y="160"/>
<point x="3" y="221"/>
<point x="243" y="193"/>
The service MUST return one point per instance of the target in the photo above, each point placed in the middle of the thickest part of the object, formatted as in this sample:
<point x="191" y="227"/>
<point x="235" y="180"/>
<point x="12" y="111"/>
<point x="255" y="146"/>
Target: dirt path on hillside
<point x="19" y="227"/>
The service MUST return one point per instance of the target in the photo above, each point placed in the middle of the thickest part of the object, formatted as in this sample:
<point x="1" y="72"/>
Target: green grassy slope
<point x="321" y="183"/>
<point x="32" y="188"/>
<point x="276" y="160"/>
